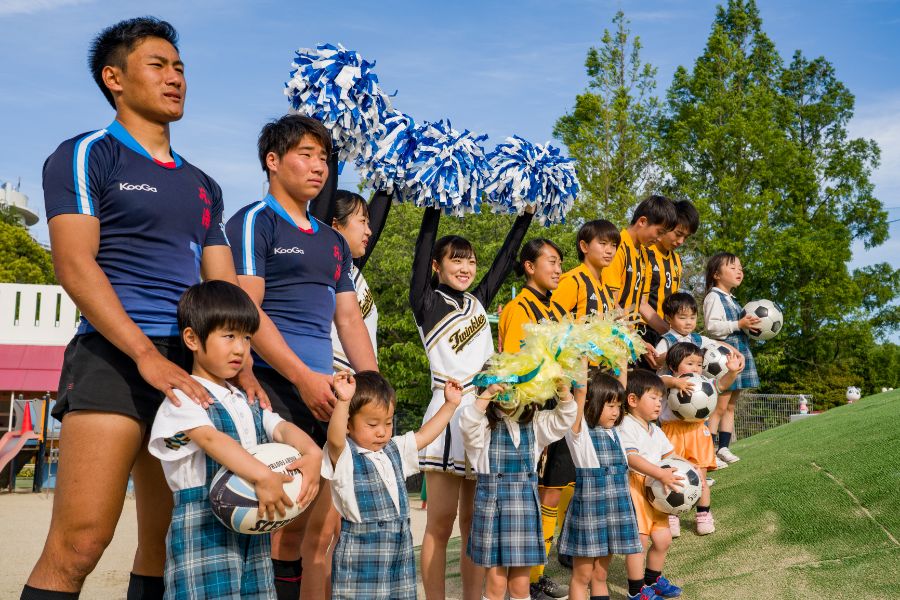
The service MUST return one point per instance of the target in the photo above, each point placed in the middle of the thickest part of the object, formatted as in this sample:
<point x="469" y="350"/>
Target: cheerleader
<point x="601" y="520"/>
<point x="503" y="444"/>
<point x="454" y="328"/>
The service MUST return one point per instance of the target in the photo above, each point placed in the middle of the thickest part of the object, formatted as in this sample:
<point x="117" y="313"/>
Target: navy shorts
<point x="286" y="401"/>
<point x="98" y="376"/>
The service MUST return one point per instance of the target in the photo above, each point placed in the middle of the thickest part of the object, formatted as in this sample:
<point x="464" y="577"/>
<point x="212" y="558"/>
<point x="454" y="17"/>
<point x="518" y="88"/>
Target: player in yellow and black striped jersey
<point x="581" y="291"/>
<point x="665" y="269"/>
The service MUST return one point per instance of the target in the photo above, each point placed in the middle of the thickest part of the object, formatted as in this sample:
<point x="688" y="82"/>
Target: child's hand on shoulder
<point x="344" y="386"/>
<point x="272" y="498"/>
<point x="453" y="392"/>
<point x="735" y="362"/>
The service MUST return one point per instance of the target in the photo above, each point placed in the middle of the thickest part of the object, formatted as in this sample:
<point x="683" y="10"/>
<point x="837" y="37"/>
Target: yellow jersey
<point x="626" y="275"/>
<point x="529" y="306"/>
<point x="580" y="294"/>
<point x="664" y="276"/>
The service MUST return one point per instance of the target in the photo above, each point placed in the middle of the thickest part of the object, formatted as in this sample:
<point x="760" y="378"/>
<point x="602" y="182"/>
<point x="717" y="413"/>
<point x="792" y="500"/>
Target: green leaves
<point x="22" y="259"/>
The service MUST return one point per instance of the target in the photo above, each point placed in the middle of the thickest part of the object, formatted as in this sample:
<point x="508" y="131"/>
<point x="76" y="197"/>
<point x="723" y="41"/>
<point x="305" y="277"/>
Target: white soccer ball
<point x="234" y="500"/>
<point x="853" y="394"/>
<point x="715" y="360"/>
<point x="771" y="319"/>
<point x="675" y="502"/>
<point x="696" y="405"/>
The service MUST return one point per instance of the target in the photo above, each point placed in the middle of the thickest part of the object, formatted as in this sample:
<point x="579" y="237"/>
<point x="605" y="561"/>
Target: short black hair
<point x="659" y="210"/>
<point x="531" y="251"/>
<point x="678" y="302"/>
<point x="371" y="387"/>
<point x="214" y="304"/>
<point x="602" y="388"/>
<point x="451" y="246"/>
<point x="680" y="351"/>
<point x="641" y="381"/>
<point x="715" y="264"/>
<point x="598" y="229"/>
<point x="346" y="203"/>
<point x="112" y="46"/>
<point x="687" y="216"/>
<point x="282" y="135"/>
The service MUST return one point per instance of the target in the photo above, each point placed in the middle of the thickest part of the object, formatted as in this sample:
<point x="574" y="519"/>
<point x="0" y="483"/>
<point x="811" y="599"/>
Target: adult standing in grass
<point x="132" y="225"/>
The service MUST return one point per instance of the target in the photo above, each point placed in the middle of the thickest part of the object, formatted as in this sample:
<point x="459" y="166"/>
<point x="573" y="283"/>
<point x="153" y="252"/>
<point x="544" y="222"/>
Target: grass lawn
<point x="811" y="511"/>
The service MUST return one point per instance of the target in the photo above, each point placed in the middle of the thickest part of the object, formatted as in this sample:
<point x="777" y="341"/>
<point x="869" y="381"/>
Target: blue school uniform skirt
<point x="749" y="378"/>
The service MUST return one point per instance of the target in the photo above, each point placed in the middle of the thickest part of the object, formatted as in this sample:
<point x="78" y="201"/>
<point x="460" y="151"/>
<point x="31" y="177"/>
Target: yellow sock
<point x="564" y="499"/>
<point x="548" y="521"/>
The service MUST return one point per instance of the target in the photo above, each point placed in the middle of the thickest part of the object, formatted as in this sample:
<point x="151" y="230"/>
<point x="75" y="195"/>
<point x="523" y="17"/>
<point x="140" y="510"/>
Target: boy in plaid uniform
<point x="204" y="559"/>
<point x="601" y="520"/>
<point x="645" y="446"/>
<point x="503" y="444"/>
<point x="367" y="467"/>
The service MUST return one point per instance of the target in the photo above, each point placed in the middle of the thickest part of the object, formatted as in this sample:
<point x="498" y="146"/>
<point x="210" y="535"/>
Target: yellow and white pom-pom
<point x="552" y="350"/>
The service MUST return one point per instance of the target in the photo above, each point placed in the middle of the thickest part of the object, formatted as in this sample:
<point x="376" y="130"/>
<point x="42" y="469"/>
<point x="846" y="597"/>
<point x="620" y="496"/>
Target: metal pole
<point x="42" y="446"/>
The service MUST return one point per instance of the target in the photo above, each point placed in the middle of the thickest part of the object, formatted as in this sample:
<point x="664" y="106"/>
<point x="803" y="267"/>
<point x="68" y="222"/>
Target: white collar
<point x="218" y="392"/>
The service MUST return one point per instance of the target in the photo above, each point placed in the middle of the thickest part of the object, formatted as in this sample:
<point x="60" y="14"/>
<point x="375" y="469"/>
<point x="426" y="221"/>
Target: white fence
<point x="36" y="315"/>
<point x="756" y="413"/>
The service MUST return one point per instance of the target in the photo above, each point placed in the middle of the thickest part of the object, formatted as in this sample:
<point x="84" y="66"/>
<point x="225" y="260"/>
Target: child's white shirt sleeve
<point x="552" y="425"/>
<point x="343" y="490"/>
<point x="473" y="425"/>
<point x="168" y="442"/>
<point x="717" y="323"/>
<point x="662" y="346"/>
<point x="270" y="422"/>
<point x="582" y="448"/>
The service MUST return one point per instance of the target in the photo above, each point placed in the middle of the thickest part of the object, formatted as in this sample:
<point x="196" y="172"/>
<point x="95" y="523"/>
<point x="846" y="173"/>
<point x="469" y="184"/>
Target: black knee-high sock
<point x="715" y="439"/>
<point x="145" y="587"/>
<point x="634" y="586"/>
<point x="287" y="578"/>
<point x="601" y="597"/>
<point x="30" y="593"/>
<point x="702" y="509"/>
<point x="724" y="439"/>
<point x="650" y="576"/>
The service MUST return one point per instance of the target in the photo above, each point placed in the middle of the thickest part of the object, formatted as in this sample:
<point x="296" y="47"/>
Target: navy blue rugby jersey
<point x="155" y="219"/>
<point x="303" y="269"/>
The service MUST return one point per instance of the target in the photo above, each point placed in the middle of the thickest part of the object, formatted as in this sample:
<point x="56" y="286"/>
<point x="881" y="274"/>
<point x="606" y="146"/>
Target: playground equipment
<point x="18" y="448"/>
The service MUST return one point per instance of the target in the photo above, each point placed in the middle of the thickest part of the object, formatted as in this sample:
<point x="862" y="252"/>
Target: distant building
<point x="11" y="197"/>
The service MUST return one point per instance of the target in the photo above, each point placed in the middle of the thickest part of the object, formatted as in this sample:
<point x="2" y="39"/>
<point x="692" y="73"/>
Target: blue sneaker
<point x="646" y="593"/>
<point x="665" y="588"/>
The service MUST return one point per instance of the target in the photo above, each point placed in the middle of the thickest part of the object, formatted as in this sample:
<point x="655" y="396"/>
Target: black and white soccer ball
<point x="715" y="360"/>
<point x="771" y="319"/>
<point x="675" y="502"/>
<point x="696" y="405"/>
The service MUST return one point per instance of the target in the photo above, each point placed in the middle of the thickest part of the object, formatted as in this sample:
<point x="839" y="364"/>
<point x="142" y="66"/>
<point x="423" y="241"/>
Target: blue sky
<point x="499" y="68"/>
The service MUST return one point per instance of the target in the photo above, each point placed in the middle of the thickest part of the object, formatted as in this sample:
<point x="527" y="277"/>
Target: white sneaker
<point x="720" y="464"/>
<point x="675" y="526"/>
<point x="710" y="481"/>
<point x="727" y="455"/>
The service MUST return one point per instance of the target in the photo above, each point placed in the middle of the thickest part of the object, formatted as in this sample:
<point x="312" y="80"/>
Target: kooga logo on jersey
<point x="140" y="187"/>
<point x="294" y="250"/>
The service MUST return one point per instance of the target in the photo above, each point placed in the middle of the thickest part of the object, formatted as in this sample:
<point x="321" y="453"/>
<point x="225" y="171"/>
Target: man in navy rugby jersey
<point x="132" y="225"/>
<point x="297" y="269"/>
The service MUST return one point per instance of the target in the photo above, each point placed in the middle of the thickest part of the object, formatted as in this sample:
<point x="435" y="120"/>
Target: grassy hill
<point x="811" y="511"/>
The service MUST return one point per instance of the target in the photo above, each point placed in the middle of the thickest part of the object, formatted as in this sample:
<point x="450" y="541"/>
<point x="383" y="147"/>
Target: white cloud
<point x="28" y="7"/>
<point x="880" y="120"/>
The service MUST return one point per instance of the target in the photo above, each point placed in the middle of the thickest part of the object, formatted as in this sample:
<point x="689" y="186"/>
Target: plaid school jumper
<point x="748" y="378"/>
<point x="374" y="559"/>
<point x="696" y="339"/>
<point x="601" y="518"/>
<point x="506" y="526"/>
<point x="205" y="559"/>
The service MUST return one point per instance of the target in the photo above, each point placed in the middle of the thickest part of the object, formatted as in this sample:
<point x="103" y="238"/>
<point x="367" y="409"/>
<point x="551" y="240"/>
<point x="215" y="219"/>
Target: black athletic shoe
<point x="565" y="560"/>
<point x="553" y="589"/>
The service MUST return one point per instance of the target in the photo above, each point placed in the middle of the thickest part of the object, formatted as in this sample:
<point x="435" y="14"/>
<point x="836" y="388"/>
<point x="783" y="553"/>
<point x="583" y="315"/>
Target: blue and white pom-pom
<point x="532" y="175"/>
<point x="390" y="153"/>
<point x="339" y="88"/>
<point x="449" y="169"/>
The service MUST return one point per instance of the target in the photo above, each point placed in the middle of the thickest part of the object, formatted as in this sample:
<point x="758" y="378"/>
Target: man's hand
<point x="310" y="466"/>
<point x="166" y="376"/>
<point x="247" y="381"/>
<point x="271" y="495"/>
<point x="315" y="389"/>
<point x="652" y="357"/>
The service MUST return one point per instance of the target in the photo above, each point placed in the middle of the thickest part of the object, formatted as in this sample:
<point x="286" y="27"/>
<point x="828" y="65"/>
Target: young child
<point x="627" y="275"/>
<point x="582" y="290"/>
<point x="645" y="446"/>
<point x="664" y="262"/>
<point x="692" y="440"/>
<point x="503" y="444"/>
<point x="724" y="322"/>
<point x="601" y="520"/>
<point x="204" y="559"/>
<point x="373" y="558"/>
<point x="680" y="311"/>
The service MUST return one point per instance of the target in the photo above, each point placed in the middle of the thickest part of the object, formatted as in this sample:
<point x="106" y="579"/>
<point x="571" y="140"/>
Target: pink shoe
<point x="675" y="526"/>
<point x="705" y="523"/>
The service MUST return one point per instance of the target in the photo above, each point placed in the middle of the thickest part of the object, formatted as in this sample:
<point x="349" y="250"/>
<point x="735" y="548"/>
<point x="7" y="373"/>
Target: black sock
<point x="601" y="597"/>
<point x="650" y="576"/>
<point x="30" y="593"/>
<point x="145" y="587"/>
<point x="702" y="509"/>
<point x="287" y="578"/>
<point x="724" y="439"/>
<point x="715" y="439"/>
<point x="634" y="586"/>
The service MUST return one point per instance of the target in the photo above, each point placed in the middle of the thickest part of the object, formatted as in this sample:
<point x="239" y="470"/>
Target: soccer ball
<point x="771" y="319"/>
<point x="715" y="359"/>
<point x="853" y="394"/>
<point x="234" y="500"/>
<point x="675" y="502"/>
<point x="697" y="405"/>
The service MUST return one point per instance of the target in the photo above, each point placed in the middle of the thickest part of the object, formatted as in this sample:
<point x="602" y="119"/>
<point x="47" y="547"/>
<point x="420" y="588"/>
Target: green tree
<point x="611" y="130"/>
<point x="22" y="259"/>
